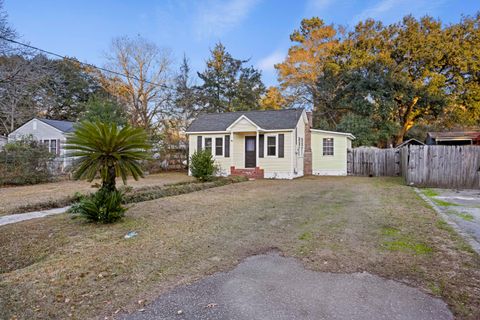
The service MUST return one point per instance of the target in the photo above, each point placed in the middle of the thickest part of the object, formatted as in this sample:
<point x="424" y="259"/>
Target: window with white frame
<point x="328" y="146"/>
<point x="53" y="146"/>
<point x="271" y="145"/>
<point x="208" y="144"/>
<point x="219" y="146"/>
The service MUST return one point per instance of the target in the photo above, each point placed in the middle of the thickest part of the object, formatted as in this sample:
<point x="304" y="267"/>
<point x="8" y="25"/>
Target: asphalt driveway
<point x="273" y="287"/>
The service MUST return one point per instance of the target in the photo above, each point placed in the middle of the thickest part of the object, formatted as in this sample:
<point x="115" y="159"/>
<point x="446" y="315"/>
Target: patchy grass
<point x="407" y="245"/>
<point x="306" y="236"/>
<point x="60" y="194"/>
<point x="465" y="216"/>
<point x="444" y="203"/>
<point x="58" y="267"/>
<point x="430" y="193"/>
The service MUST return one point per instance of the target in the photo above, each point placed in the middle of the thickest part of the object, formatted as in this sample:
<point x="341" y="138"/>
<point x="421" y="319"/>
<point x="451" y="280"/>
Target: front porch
<point x="251" y="173"/>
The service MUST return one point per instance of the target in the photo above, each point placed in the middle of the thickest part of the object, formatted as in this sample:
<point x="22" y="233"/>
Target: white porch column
<point x="231" y="149"/>
<point x="257" y="150"/>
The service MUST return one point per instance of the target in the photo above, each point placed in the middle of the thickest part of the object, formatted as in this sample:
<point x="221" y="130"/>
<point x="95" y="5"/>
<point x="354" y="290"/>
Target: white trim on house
<point x="349" y="135"/>
<point x="241" y="118"/>
<point x="265" y="145"/>
<point x="329" y="172"/>
<point x="280" y="175"/>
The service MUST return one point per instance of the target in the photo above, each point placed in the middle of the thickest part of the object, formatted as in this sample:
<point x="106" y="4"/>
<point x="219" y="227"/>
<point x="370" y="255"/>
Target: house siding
<point x="243" y="125"/>
<point x="275" y="167"/>
<point x="221" y="161"/>
<point x="329" y="165"/>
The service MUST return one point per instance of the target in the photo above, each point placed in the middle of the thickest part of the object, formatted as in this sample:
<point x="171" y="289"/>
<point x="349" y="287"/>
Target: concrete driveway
<point x="461" y="207"/>
<point x="273" y="287"/>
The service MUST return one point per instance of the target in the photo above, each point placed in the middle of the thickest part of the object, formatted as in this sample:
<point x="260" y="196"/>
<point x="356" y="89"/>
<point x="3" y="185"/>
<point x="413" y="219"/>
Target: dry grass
<point x="59" y="194"/>
<point x="58" y="267"/>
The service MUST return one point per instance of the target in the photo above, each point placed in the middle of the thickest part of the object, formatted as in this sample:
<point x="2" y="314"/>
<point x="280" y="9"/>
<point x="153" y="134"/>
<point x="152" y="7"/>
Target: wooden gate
<point x="373" y="162"/>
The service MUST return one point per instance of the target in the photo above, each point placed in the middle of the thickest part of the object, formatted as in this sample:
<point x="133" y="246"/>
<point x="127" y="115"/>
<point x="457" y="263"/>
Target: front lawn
<point x="59" y="194"/>
<point x="58" y="267"/>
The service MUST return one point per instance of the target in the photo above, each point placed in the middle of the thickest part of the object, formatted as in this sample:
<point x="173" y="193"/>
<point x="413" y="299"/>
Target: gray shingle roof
<point x="62" y="125"/>
<point x="268" y="120"/>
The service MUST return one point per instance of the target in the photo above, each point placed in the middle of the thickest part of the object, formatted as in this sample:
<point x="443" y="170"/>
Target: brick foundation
<point x="251" y="173"/>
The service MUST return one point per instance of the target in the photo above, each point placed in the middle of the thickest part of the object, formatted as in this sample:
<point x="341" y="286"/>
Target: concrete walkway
<point x="273" y="287"/>
<point x="12" y="218"/>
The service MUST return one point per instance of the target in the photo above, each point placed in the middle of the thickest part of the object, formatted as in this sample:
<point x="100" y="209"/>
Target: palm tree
<point x="105" y="150"/>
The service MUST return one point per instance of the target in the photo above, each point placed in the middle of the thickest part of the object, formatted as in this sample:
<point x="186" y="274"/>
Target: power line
<point x="84" y="63"/>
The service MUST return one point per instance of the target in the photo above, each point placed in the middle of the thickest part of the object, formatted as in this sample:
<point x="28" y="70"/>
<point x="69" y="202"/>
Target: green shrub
<point x="202" y="165"/>
<point x="25" y="161"/>
<point x="103" y="206"/>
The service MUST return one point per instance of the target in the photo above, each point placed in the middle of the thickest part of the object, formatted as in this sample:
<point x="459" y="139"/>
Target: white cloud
<point x="218" y="17"/>
<point x="267" y="63"/>
<point x="392" y="10"/>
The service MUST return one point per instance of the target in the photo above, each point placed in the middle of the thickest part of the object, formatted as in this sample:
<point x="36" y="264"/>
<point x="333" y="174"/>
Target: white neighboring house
<point x="53" y="133"/>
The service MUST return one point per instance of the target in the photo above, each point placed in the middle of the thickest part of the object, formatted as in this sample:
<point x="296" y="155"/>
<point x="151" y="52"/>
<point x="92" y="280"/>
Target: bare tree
<point x="146" y="89"/>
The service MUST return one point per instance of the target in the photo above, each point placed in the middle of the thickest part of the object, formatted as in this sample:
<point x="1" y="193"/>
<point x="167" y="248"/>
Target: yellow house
<point x="261" y="144"/>
<point x="329" y="152"/>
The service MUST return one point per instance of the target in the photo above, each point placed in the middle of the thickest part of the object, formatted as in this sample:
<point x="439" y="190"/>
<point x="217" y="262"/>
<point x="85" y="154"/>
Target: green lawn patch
<point x="429" y="192"/>
<point x="444" y="203"/>
<point x="406" y="246"/>
<point x="306" y="236"/>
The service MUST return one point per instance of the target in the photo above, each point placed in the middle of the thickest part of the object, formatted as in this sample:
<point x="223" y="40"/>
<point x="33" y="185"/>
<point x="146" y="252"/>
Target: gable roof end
<point x="266" y="120"/>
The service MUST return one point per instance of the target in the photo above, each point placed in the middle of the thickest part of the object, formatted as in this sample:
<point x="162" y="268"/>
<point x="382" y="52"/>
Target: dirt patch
<point x="60" y="194"/>
<point x="332" y="224"/>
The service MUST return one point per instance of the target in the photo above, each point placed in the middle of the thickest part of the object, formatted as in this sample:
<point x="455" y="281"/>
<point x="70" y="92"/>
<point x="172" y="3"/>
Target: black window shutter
<point x="281" y="143"/>
<point x="199" y="143"/>
<point x="227" y="146"/>
<point x="261" y="142"/>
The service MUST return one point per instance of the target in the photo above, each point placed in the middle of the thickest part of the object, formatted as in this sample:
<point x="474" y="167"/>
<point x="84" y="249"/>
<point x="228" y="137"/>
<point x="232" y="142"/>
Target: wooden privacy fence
<point x="424" y="166"/>
<point x="373" y="162"/>
<point x="441" y="166"/>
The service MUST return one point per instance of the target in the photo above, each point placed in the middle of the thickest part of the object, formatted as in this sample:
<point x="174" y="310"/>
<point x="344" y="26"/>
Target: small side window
<point x="328" y="146"/>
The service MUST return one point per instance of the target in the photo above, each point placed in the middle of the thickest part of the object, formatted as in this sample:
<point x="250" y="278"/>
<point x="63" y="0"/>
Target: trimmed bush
<point x="202" y="165"/>
<point x="103" y="206"/>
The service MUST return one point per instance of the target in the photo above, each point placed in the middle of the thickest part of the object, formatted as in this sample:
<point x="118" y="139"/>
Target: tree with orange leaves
<point x="305" y="62"/>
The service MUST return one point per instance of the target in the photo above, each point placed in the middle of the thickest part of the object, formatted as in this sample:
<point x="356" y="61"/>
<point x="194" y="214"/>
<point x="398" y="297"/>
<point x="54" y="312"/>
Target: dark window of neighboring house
<point x="328" y="146"/>
<point x="53" y="146"/>
<point x="271" y="146"/>
<point x="208" y="144"/>
<point x="46" y="143"/>
<point x="218" y="146"/>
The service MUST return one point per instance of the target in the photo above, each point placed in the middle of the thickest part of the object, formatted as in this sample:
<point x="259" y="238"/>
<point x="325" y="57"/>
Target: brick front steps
<point x="251" y="173"/>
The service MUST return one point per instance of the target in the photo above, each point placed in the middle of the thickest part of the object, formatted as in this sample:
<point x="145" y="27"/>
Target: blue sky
<point x="250" y="29"/>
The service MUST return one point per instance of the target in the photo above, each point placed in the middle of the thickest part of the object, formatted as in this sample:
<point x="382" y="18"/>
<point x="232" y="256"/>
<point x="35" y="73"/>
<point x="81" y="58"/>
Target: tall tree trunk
<point x="408" y="120"/>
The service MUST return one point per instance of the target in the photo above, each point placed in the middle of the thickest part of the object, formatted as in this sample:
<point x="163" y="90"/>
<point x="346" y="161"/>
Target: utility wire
<point x="84" y="63"/>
